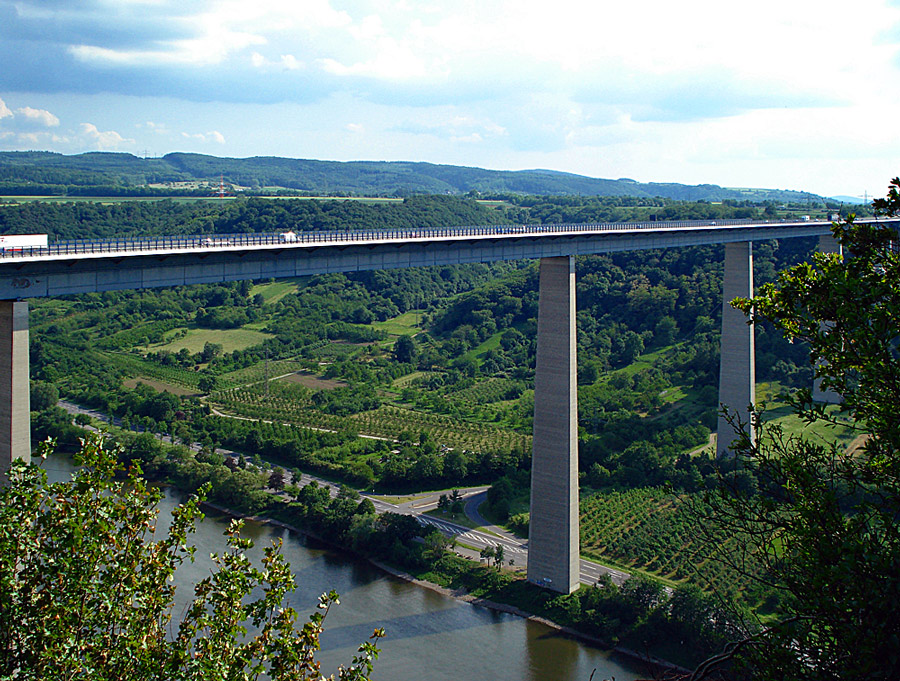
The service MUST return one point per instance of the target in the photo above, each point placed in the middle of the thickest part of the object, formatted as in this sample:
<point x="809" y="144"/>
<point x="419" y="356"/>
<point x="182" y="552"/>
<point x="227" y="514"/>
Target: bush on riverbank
<point x="684" y="629"/>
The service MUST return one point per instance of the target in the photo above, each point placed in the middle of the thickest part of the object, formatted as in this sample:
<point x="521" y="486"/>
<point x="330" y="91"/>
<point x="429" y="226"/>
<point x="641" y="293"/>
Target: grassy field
<point x="676" y="393"/>
<point x="406" y="324"/>
<point x="404" y="381"/>
<point x="229" y="339"/>
<point x="792" y="425"/>
<point x="310" y="380"/>
<point x="159" y="386"/>
<point x="276" y="290"/>
<point x="647" y="360"/>
<point x="776" y="411"/>
<point x="490" y="344"/>
<point x="257" y="373"/>
<point x="769" y="392"/>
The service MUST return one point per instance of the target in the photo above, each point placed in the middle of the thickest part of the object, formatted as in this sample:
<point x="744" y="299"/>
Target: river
<point x="429" y="636"/>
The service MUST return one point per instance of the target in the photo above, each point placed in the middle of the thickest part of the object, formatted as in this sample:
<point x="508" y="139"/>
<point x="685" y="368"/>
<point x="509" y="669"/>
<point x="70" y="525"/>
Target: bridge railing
<point x="211" y="242"/>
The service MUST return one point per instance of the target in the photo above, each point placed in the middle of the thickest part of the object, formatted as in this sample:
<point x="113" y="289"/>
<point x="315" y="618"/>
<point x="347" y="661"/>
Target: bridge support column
<point x="15" y="412"/>
<point x="737" y="361"/>
<point x="553" y="542"/>
<point x="827" y="244"/>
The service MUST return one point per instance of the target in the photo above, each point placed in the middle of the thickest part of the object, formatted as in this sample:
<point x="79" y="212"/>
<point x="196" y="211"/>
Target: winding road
<point x="469" y="542"/>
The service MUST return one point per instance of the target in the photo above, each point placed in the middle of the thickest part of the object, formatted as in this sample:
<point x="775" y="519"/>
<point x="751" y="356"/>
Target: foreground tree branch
<point x="822" y="522"/>
<point x="86" y="588"/>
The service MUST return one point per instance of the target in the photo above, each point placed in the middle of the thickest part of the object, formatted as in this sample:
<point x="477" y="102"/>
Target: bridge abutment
<point x="553" y="537"/>
<point x="737" y="360"/>
<point x="15" y="398"/>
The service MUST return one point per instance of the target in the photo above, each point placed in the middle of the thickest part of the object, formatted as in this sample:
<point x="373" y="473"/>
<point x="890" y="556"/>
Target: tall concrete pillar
<point x="737" y="362"/>
<point x="827" y="244"/>
<point x="553" y="542"/>
<point x="15" y="412"/>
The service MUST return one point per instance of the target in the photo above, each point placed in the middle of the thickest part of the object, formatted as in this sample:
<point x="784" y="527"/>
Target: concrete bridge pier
<point x="553" y="541"/>
<point x="827" y="244"/>
<point x="15" y="399"/>
<point x="737" y="363"/>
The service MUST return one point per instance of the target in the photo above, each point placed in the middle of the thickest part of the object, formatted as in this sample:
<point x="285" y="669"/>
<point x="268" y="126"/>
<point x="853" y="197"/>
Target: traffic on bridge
<point x="38" y="246"/>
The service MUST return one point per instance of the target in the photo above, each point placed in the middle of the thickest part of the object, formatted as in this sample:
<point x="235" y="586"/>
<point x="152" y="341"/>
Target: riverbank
<point x="612" y="618"/>
<point x="428" y="637"/>
<point x="657" y="667"/>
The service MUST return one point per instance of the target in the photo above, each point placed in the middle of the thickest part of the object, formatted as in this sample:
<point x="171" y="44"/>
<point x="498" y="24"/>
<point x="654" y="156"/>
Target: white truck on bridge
<point x="17" y="242"/>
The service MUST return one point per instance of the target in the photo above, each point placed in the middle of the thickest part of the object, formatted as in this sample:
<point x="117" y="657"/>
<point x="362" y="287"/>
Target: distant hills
<point x="37" y="172"/>
<point x="852" y="199"/>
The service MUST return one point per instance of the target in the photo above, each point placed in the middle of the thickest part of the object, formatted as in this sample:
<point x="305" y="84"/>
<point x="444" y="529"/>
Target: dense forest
<point x="434" y="366"/>
<point x="120" y="174"/>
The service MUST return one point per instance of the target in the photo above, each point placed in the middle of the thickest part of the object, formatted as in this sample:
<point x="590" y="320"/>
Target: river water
<point x="430" y="636"/>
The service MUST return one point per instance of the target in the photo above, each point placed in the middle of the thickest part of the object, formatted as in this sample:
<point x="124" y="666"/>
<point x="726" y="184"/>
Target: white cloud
<point x="209" y="49"/>
<point x="36" y="139"/>
<point x="472" y="138"/>
<point x="273" y="16"/>
<point x="455" y="126"/>
<point x="95" y="53"/>
<point x="213" y="136"/>
<point x="291" y="63"/>
<point x="104" y="140"/>
<point x="158" y="128"/>
<point x="391" y="61"/>
<point x="33" y="138"/>
<point x="214" y="36"/>
<point x="285" y="62"/>
<point x="39" y="116"/>
<point x="773" y="40"/>
<point x="486" y="125"/>
<point x="25" y="118"/>
<point x="220" y="29"/>
<point x="699" y="91"/>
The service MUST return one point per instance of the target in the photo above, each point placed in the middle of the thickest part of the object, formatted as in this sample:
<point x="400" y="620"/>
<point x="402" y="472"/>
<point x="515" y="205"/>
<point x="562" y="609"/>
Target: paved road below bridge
<point x="469" y="541"/>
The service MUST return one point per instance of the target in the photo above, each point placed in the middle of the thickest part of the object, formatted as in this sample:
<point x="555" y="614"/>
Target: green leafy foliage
<point x="86" y="588"/>
<point x="823" y="520"/>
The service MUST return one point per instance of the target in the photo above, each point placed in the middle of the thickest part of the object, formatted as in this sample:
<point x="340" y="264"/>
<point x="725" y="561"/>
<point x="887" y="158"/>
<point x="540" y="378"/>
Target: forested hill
<point x="101" y="173"/>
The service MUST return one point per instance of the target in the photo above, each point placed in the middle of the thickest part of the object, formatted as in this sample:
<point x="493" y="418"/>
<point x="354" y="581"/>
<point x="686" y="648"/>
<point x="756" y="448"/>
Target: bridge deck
<point x="102" y="265"/>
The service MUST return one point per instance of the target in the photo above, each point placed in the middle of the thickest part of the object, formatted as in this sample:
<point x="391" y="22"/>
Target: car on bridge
<point x="210" y="241"/>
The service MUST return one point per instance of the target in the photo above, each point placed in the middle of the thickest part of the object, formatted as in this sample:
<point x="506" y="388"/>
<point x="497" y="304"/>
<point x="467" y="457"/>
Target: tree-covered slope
<point x="95" y="172"/>
<point x="94" y="220"/>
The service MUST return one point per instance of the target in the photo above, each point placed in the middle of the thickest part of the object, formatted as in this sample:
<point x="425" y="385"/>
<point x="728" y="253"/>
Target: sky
<point x="782" y="94"/>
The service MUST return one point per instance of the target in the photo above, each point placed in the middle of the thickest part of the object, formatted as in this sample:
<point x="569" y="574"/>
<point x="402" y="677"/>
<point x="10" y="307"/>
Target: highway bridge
<point x="71" y="267"/>
<point x="84" y="266"/>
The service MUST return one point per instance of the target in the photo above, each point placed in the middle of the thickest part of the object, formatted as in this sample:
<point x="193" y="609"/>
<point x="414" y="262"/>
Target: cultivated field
<point x="229" y="339"/>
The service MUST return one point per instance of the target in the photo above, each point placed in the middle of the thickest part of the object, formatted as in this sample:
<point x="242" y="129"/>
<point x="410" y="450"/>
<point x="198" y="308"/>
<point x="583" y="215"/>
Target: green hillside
<point x="119" y="174"/>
